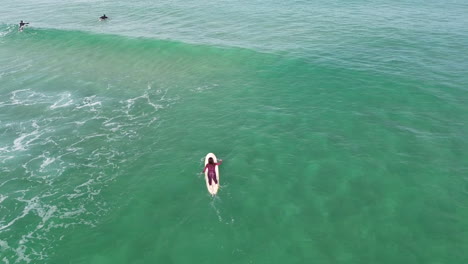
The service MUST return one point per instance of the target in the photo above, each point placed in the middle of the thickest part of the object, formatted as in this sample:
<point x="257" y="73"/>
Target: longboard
<point x="213" y="189"/>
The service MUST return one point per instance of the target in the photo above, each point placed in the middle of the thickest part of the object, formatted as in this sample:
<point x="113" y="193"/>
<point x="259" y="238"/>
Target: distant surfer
<point x="22" y="25"/>
<point x="211" y="166"/>
<point x="103" y="17"/>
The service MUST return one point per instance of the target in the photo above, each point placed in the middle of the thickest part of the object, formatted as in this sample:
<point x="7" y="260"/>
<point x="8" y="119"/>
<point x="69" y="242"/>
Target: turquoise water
<point x="342" y="125"/>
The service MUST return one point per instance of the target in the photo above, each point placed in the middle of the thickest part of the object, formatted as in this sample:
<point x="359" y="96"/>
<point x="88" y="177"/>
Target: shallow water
<point x="342" y="127"/>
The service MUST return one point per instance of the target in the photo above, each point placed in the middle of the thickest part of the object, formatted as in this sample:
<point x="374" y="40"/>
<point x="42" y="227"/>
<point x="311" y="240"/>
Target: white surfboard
<point x="213" y="189"/>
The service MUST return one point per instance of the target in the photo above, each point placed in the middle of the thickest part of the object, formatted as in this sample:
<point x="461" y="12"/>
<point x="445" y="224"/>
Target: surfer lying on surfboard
<point x="211" y="166"/>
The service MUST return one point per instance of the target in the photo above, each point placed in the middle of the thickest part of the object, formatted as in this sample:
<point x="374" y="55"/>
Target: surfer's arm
<point x="205" y="168"/>
<point x="219" y="163"/>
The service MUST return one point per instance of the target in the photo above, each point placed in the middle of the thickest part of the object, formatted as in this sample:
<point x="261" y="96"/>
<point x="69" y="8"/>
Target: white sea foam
<point x="203" y="88"/>
<point x="43" y="160"/>
<point x="73" y="213"/>
<point x="27" y="97"/>
<point x="64" y="101"/>
<point x="7" y="31"/>
<point x="3" y="245"/>
<point x="2" y="198"/>
<point x="4" y="150"/>
<point x="22" y="250"/>
<point x="3" y="159"/>
<point x="23" y="141"/>
<point x="39" y="166"/>
<point x="91" y="103"/>
<point x="21" y="254"/>
<point x="78" y="191"/>
<point x="26" y="211"/>
<point x="46" y="162"/>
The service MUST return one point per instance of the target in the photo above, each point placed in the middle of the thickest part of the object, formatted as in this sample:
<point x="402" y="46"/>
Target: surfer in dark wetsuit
<point x="22" y="24"/>
<point x="103" y="17"/>
<point x="210" y="166"/>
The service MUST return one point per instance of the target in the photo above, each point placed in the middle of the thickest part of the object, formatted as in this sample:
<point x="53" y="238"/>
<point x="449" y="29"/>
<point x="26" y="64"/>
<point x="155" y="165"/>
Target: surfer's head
<point x="210" y="161"/>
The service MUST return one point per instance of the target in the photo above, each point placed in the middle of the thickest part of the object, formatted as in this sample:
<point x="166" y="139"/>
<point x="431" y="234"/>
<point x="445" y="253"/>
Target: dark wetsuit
<point x="211" y="172"/>
<point x="22" y="24"/>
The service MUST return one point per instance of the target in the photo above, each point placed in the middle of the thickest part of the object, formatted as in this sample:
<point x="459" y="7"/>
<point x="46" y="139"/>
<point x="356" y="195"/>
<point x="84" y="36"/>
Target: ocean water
<point x="342" y="125"/>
